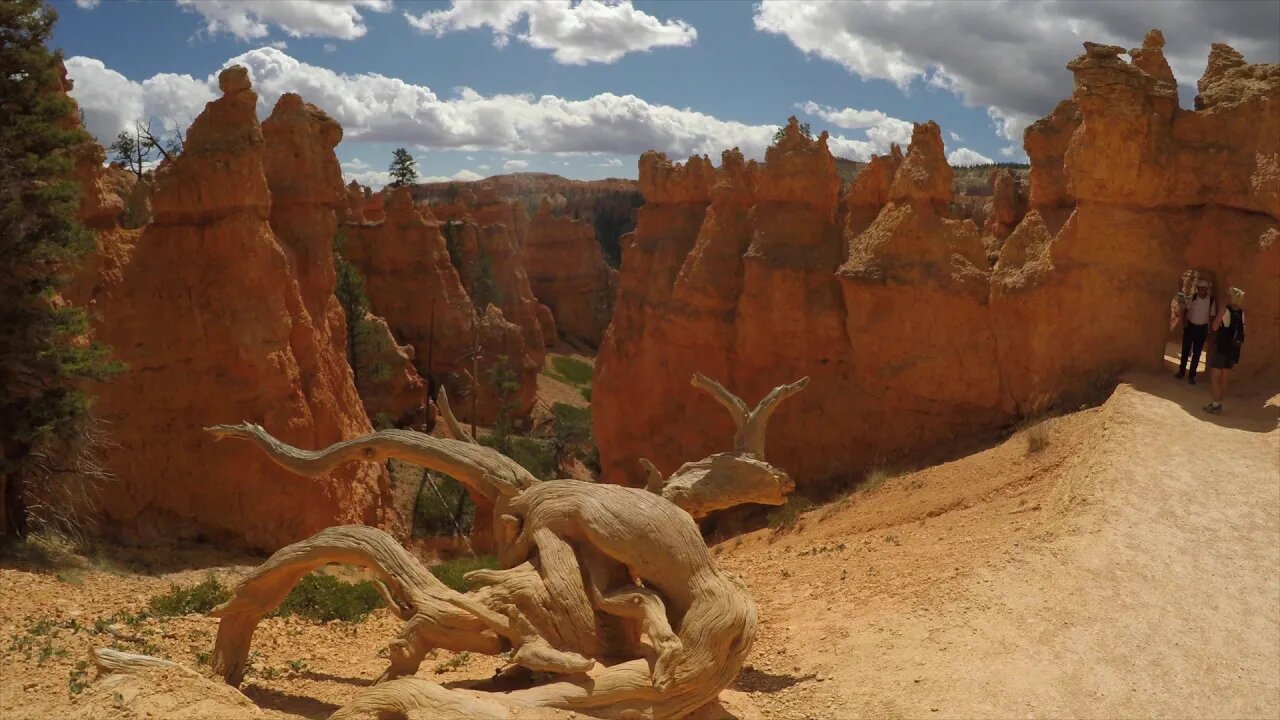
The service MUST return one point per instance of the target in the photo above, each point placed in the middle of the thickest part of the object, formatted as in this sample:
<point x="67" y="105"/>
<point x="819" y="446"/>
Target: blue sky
<point x="581" y="87"/>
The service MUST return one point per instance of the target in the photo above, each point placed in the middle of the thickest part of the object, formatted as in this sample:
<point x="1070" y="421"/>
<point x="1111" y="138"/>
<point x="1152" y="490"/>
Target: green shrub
<point x="451" y="573"/>
<point x="586" y="394"/>
<point x="536" y="456"/>
<point x="571" y="370"/>
<point x="442" y="507"/>
<point x="197" y="599"/>
<point x="322" y="598"/>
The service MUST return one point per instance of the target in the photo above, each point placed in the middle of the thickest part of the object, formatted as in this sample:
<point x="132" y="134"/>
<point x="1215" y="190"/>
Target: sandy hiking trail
<point x="1133" y="571"/>
<point x="1125" y="565"/>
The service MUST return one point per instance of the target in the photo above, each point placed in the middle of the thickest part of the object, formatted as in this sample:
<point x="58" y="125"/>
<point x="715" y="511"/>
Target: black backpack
<point x="1237" y="325"/>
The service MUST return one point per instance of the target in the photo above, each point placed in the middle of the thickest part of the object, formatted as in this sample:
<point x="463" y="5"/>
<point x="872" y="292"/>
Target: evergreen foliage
<point x="45" y="426"/>
<point x="404" y="169"/>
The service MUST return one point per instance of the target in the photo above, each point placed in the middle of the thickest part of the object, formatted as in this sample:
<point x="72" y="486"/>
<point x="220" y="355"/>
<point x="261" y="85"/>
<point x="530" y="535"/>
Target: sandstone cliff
<point x="413" y="284"/>
<point x="755" y="274"/>
<point x="567" y="272"/>
<point x="204" y="306"/>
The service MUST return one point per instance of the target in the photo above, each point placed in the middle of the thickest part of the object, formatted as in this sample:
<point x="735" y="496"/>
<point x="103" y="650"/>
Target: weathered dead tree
<point x="739" y="477"/>
<point x="610" y="589"/>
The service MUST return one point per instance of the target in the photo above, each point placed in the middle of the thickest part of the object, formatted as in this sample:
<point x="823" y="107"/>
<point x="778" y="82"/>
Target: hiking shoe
<point x="1213" y="408"/>
<point x="1191" y="380"/>
<point x="1181" y="374"/>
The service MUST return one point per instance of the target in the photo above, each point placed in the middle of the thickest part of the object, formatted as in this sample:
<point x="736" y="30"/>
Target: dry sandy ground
<point x="1130" y="568"/>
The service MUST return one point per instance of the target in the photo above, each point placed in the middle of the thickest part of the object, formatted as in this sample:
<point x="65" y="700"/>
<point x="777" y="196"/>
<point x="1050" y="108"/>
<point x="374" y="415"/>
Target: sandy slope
<point x="1131" y="568"/>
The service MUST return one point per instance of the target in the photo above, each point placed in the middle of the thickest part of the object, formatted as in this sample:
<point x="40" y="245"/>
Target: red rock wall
<point x="567" y="272"/>
<point x="407" y="273"/>
<point x="205" y="308"/>
<point x="750" y="273"/>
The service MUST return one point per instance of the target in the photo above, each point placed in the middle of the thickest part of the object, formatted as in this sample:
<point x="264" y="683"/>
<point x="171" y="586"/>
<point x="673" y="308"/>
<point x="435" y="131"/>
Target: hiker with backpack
<point x="1224" y="347"/>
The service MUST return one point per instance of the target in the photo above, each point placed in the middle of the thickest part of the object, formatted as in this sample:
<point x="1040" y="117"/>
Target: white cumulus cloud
<point x="880" y="129"/>
<point x="1010" y="56"/>
<point x="87" y="4"/>
<point x="252" y="19"/>
<point x="515" y="165"/>
<point x="376" y="108"/>
<point x="965" y="156"/>
<point x="577" y="33"/>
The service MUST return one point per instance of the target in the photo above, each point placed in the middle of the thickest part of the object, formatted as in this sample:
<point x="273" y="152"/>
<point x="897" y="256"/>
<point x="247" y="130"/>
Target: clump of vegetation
<point x="45" y="420"/>
<point x="77" y="677"/>
<point x="364" y="343"/>
<point x="442" y="507"/>
<point x="586" y="394"/>
<point x="536" y="456"/>
<point x="453" y="663"/>
<point x="197" y="599"/>
<point x="324" y="598"/>
<point x="786" y="516"/>
<point x="1037" y="437"/>
<point x="451" y="573"/>
<point x="570" y="370"/>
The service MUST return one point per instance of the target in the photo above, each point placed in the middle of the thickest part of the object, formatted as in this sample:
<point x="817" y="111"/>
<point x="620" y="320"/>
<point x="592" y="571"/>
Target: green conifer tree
<point x="44" y="355"/>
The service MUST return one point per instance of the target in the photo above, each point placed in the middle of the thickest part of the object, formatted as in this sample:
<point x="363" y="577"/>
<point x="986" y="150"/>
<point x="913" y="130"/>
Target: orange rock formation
<point x="204" y="307"/>
<point x="568" y="273"/>
<point x="751" y="273"/>
<point x="412" y="283"/>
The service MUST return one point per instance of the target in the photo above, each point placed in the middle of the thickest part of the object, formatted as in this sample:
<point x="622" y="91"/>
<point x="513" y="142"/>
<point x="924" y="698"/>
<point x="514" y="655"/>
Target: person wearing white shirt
<point x="1196" y="314"/>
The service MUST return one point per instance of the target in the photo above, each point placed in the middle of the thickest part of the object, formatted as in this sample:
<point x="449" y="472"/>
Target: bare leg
<point x="1215" y="383"/>
<point x="1223" y="376"/>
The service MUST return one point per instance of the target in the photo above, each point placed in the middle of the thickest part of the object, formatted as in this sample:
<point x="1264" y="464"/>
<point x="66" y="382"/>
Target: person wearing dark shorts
<point x="1224" y="347"/>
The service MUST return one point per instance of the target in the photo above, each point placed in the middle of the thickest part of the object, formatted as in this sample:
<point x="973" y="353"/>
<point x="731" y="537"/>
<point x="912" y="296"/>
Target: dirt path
<point x="1138" y="576"/>
<point x="1128" y="568"/>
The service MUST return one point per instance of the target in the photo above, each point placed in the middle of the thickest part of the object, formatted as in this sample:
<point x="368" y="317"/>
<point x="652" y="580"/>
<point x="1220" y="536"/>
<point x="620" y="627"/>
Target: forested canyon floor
<point x="1128" y="567"/>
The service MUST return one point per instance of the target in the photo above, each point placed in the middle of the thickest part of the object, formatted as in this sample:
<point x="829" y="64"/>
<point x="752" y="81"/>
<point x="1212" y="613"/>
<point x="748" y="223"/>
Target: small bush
<point x="451" y="573"/>
<point x="786" y="516"/>
<point x="875" y="479"/>
<point x="571" y="370"/>
<point x="1037" y="437"/>
<point x="586" y="393"/>
<point x="197" y="599"/>
<point x="442" y="507"/>
<point x="536" y="456"/>
<point x="323" y="598"/>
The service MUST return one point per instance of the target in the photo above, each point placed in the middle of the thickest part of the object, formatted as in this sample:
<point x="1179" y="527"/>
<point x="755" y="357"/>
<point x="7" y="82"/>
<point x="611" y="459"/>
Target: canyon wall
<point x="222" y="308"/>
<point x="568" y="273"/>
<point x="412" y="283"/>
<point x="758" y="274"/>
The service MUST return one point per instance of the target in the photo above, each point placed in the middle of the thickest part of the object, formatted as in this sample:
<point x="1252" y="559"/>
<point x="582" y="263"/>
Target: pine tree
<point x="404" y="169"/>
<point x="44" y="415"/>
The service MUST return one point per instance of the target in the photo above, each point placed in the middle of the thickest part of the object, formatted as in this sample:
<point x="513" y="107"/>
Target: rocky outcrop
<point x="104" y="191"/>
<point x="1007" y="206"/>
<point x="1045" y="142"/>
<point x="751" y="273"/>
<point x="205" y="309"/>
<point x="412" y="283"/>
<point x="355" y="196"/>
<point x="567" y="272"/>
<point x="393" y="392"/>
